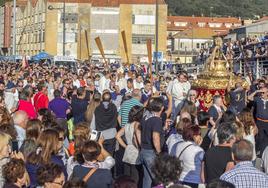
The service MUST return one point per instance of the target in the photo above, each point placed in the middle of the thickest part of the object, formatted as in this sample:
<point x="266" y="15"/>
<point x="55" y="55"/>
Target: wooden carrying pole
<point x="149" y="50"/>
<point x="86" y="44"/>
<point x="100" y="47"/>
<point x="123" y="34"/>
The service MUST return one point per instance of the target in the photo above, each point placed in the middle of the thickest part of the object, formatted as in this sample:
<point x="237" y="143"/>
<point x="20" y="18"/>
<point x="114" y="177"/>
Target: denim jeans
<point x="147" y="158"/>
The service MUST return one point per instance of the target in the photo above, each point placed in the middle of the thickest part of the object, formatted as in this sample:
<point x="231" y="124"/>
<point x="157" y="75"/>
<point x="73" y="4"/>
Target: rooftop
<point x="180" y="23"/>
<point x="263" y="19"/>
<point x="204" y="19"/>
<point x="196" y="33"/>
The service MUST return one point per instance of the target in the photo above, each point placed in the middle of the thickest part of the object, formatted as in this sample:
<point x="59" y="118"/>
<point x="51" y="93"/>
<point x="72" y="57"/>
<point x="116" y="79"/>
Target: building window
<point x="39" y="37"/>
<point x="141" y="39"/>
<point x="215" y="25"/>
<point x="228" y="25"/>
<point x="143" y="19"/>
<point x="180" y="24"/>
<point x="133" y="19"/>
<point x="201" y="24"/>
<point x="197" y="45"/>
<point x="43" y="36"/>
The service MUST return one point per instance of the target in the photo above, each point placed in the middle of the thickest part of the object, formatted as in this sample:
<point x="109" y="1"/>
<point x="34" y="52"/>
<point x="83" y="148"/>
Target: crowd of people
<point x="119" y="127"/>
<point x="248" y="50"/>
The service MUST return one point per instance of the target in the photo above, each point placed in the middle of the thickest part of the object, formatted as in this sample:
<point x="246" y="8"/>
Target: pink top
<point x="28" y="107"/>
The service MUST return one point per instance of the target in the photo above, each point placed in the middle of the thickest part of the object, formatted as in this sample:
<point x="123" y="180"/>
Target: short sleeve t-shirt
<point x="79" y="107"/>
<point x="238" y="100"/>
<point x="59" y="106"/>
<point x="216" y="159"/>
<point x="148" y="126"/>
<point x="213" y="113"/>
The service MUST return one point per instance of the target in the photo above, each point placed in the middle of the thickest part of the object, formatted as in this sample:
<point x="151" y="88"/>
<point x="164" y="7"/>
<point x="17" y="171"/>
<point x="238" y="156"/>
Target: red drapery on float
<point x="205" y="97"/>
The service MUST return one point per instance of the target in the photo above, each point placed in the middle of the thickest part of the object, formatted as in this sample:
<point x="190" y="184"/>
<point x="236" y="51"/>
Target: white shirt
<point x="122" y="83"/>
<point x="172" y="139"/>
<point x="104" y="84"/>
<point x="76" y="83"/>
<point x="251" y="138"/>
<point x="11" y="100"/>
<point x="138" y="85"/>
<point x="108" y="163"/>
<point x="191" y="159"/>
<point x="21" y="135"/>
<point x="169" y="87"/>
<point x="177" y="91"/>
<point x="186" y="86"/>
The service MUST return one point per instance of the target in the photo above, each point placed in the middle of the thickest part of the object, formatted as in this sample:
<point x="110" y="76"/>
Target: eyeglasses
<point x="58" y="183"/>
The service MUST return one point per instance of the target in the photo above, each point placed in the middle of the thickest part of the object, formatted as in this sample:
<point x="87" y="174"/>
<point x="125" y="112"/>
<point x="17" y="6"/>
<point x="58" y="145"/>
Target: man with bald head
<point x="244" y="174"/>
<point x="20" y="119"/>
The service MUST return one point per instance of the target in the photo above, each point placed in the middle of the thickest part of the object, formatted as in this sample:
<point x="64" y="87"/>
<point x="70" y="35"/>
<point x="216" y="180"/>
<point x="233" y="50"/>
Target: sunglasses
<point x="61" y="139"/>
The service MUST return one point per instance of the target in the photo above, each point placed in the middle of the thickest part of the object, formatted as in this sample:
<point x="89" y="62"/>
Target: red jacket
<point x="40" y="101"/>
<point x="27" y="107"/>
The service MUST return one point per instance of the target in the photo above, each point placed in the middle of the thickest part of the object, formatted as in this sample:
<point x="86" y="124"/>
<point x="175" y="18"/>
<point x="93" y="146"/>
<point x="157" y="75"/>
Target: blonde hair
<point x="81" y="135"/>
<point x="4" y="140"/>
<point x="92" y="106"/>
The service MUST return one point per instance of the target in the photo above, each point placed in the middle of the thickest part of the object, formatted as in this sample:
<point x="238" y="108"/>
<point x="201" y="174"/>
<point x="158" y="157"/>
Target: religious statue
<point x="215" y="76"/>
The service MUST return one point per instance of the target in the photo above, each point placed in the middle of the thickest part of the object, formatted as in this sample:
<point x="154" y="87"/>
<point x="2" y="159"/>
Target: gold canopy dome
<point x="217" y="73"/>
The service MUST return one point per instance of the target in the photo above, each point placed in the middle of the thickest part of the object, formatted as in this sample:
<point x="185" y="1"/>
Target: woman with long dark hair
<point x="132" y="134"/>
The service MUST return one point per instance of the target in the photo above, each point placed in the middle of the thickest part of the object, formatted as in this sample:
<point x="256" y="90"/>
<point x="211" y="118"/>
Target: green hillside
<point x="237" y="8"/>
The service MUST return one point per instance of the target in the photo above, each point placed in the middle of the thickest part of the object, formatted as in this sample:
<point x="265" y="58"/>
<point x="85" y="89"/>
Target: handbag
<point x="131" y="155"/>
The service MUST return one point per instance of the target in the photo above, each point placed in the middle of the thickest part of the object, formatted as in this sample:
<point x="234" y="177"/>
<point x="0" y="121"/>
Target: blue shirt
<point x="245" y="175"/>
<point x="59" y="106"/>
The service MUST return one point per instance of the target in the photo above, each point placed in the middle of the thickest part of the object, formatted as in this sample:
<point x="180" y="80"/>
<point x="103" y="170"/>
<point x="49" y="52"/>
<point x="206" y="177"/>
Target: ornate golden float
<point x="215" y="77"/>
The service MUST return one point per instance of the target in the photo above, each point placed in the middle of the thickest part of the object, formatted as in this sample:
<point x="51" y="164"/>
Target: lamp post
<point x="14" y="30"/>
<point x="50" y="7"/>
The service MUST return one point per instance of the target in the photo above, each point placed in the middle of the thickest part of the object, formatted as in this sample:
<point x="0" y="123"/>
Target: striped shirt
<point x="125" y="108"/>
<point x="245" y="175"/>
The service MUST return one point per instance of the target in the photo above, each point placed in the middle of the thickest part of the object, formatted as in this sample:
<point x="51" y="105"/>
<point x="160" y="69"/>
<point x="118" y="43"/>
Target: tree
<point x="237" y="8"/>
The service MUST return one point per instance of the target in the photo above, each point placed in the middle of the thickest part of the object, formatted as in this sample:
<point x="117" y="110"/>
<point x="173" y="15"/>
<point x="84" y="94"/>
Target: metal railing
<point x="258" y="67"/>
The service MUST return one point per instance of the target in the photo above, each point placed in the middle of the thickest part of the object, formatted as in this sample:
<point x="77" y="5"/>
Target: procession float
<point x="215" y="77"/>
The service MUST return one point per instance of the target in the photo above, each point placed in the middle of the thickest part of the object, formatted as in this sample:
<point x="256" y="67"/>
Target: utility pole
<point x="14" y="30"/>
<point x="156" y="34"/>
<point x="64" y="29"/>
